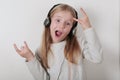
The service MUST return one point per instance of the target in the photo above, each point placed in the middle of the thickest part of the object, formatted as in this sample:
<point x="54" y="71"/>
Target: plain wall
<point x="22" y="20"/>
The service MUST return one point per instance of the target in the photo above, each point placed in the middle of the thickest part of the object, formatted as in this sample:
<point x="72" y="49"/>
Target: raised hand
<point x="24" y="51"/>
<point x="84" y="21"/>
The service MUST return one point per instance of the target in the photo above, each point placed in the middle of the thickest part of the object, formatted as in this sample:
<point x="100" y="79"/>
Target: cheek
<point x="52" y="25"/>
<point x="67" y="30"/>
<point x="52" y="28"/>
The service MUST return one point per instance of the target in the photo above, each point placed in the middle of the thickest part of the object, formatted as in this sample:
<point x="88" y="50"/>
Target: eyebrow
<point x="62" y="17"/>
<point x="58" y="16"/>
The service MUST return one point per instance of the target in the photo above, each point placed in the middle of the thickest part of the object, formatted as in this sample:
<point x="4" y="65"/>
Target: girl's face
<point x="61" y="24"/>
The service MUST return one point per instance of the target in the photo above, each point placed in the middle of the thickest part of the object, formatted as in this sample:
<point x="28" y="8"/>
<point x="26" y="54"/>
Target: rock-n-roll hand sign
<point x="84" y="21"/>
<point x="24" y="51"/>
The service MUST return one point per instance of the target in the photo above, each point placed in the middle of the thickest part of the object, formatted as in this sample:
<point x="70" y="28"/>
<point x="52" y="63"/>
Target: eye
<point x="57" y="20"/>
<point x="68" y="24"/>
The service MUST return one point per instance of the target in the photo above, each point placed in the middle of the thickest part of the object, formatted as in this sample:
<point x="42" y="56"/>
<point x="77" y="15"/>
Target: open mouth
<point x="58" y="33"/>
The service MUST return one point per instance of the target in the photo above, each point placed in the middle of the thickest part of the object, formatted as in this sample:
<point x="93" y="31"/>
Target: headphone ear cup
<point x="47" y="22"/>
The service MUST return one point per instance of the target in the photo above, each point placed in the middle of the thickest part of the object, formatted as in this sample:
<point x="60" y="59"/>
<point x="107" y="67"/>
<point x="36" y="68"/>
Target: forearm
<point x="92" y="48"/>
<point x="35" y="68"/>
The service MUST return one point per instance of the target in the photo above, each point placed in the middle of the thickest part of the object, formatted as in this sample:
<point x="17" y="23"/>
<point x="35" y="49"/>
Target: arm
<point x="33" y="64"/>
<point x="90" y="44"/>
<point x="91" y="47"/>
<point x="36" y="69"/>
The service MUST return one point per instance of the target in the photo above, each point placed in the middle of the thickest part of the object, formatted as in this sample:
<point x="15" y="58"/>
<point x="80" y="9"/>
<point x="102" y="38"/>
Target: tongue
<point x="58" y="33"/>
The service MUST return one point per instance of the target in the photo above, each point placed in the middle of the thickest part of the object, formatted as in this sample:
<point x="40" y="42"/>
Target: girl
<point x="61" y="54"/>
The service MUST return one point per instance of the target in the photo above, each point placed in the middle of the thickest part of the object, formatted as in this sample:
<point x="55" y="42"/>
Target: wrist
<point x="30" y="58"/>
<point x="85" y="28"/>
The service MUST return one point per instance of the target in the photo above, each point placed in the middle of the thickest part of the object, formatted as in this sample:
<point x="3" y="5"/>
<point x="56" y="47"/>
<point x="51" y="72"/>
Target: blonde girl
<point x="61" y="54"/>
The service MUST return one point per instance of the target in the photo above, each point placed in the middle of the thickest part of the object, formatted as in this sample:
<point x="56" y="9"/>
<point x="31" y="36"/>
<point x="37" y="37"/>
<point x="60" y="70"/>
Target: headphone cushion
<point x="47" y="22"/>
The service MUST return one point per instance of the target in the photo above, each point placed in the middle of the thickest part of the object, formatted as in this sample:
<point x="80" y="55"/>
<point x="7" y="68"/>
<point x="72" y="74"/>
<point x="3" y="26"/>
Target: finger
<point x="78" y="20"/>
<point x="25" y="44"/>
<point x="83" y="12"/>
<point x="75" y="19"/>
<point x="17" y="50"/>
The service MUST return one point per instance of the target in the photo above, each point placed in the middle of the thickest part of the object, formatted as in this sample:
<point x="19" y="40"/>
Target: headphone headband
<point x="52" y="9"/>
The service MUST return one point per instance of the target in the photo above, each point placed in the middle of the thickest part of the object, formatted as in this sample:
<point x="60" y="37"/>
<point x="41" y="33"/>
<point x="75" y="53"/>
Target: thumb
<point x="16" y="48"/>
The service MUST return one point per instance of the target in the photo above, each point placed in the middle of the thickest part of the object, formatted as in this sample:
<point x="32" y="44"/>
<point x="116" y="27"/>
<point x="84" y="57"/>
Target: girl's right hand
<point x="84" y="21"/>
<point x="24" y="51"/>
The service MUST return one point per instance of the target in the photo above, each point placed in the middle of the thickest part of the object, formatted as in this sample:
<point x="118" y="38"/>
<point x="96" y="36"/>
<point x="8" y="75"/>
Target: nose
<point x="62" y="25"/>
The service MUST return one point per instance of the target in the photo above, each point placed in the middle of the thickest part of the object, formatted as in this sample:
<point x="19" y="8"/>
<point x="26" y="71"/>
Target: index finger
<point x="17" y="50"/>
<point x="83" y="12"/>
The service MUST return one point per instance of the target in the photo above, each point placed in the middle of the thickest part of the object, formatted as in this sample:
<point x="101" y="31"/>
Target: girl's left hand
<point x="84" y="21"/>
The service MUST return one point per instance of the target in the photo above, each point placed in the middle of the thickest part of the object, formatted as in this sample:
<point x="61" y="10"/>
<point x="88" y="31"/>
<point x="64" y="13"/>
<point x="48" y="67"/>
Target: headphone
<point x="47" y="21"/>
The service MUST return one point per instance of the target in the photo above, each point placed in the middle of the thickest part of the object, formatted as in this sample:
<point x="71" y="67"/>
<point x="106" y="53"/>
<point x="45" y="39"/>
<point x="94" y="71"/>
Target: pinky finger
<point x="78" y="20"/>
<point x="75" y="19"/>
<point x="25" y="44"/>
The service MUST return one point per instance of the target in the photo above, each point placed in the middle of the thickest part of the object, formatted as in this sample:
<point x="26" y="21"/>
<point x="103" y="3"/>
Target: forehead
<point x="63" y="14"/>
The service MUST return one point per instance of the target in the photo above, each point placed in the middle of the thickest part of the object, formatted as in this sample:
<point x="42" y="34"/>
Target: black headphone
<point x="47" y="21"/>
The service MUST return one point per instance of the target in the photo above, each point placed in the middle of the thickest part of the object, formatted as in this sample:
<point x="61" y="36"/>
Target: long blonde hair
<point x="72" y="48"/>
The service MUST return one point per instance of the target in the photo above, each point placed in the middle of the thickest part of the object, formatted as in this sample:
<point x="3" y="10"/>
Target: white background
<point x="22" y="20"/>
